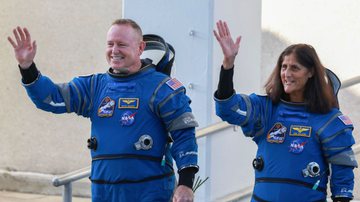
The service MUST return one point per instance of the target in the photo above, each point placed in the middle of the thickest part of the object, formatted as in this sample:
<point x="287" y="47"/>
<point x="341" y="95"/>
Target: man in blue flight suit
<point x="140" y="118"/>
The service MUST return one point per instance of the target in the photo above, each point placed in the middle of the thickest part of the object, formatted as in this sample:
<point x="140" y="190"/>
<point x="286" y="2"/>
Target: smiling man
<point x="140" y="119"/>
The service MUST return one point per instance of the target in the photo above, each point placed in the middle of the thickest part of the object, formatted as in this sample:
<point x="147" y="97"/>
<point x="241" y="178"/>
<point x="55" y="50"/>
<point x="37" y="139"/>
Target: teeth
<point x="117" y="57"/>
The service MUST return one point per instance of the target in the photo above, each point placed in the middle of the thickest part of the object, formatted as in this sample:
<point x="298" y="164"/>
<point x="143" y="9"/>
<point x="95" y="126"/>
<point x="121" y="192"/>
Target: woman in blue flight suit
<point x="300" y="132"/>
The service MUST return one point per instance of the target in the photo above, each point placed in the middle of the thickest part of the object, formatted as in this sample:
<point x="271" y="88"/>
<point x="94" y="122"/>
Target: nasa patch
<point x="297" y="146"/>
<point x="106" y="108"/>
<point x="127" y="118"/>
<point x="276" y="134"/>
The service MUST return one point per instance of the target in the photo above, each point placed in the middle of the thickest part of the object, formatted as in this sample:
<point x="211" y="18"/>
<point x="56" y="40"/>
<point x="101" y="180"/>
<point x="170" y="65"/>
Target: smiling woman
<point x="299" y="76"/>
<point x="300" y="133"/>
<point x="294" y="77"/>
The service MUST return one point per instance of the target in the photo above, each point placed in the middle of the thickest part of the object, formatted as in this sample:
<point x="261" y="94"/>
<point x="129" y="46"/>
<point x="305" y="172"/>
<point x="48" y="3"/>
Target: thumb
<point x="34" y="46"/>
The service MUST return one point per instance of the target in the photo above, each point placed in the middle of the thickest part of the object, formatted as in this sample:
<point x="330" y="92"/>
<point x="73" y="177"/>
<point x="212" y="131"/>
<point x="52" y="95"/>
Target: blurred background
<point x="71" y="39"/>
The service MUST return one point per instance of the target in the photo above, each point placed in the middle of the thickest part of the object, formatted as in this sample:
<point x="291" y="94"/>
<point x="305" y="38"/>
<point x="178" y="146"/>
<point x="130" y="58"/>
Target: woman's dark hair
<point x="318" y="94"/>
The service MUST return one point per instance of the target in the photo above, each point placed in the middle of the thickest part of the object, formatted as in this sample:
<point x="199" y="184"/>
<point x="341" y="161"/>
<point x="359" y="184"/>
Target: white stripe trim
<point x="52" y="103"/>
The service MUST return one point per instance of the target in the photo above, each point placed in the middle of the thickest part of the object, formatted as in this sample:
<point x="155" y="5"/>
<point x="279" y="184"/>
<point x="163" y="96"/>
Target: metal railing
<point x="350" y="82"/>
<point x="67" y="179"/>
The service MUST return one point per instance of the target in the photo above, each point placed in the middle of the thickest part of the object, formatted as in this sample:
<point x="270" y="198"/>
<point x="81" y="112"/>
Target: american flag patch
<point x="345" y="119"/>
<point x="174" y="84"/>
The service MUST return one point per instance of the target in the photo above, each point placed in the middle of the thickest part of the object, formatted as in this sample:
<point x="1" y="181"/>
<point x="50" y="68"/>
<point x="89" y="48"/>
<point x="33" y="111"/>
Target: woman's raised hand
<point x="229" y="48"/>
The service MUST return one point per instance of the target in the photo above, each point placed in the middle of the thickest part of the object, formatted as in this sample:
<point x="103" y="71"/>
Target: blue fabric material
<point x="121" y="110"/>
<point x="288" y="139"/>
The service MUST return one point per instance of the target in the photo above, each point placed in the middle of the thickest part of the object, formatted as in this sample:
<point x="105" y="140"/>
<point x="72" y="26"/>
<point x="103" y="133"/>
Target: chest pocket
<point x="297" y="117"/>
<point x="121" y="88"/>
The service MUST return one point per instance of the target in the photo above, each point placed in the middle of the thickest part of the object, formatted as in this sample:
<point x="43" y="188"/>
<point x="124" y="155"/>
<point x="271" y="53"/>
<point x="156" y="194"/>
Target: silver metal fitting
<point x="145" y="142"/>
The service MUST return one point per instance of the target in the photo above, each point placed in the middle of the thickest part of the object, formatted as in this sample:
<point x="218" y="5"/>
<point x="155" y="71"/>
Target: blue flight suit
<point x="289" y="139"/>
<point x="139" y="124"/>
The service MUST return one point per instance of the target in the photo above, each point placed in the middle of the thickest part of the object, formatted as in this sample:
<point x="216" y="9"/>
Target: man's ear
<point x="142" y="46"/>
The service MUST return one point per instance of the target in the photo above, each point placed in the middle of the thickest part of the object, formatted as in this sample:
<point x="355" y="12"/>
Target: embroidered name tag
<point x="128" y="103"/>
<point x="303" y="131"/>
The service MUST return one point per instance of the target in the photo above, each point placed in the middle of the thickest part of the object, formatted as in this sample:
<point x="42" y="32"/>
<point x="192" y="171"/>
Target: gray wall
<point x="71" y="38"/>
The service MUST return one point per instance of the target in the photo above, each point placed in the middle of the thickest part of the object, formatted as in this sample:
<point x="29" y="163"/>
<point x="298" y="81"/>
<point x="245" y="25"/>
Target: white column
<point x="188" y="25"/>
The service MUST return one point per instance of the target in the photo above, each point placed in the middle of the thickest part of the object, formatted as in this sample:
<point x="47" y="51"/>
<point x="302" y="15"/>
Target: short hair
<point x="318" y="93"/>
<point x="129" y="22"/>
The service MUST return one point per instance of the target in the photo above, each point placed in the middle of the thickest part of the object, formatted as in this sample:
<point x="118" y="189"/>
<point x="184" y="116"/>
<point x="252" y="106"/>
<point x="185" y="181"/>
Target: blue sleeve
<point x="245" y="111"/>
<point x="61" y="98"/>
<point x="184" y="149"/>
<point x="336" y="139"/>
<point x="342" y="181"/>
<point x="173" y="108"/>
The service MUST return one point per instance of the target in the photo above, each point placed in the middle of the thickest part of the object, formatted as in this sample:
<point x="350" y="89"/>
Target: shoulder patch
<point x="276" y="134"/>
<point x="345" y="119"/>
<point x="174" y="84"/>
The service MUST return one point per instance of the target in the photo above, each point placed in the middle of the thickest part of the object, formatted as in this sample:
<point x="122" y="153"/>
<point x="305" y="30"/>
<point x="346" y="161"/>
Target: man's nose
<point x="115" y="49"/>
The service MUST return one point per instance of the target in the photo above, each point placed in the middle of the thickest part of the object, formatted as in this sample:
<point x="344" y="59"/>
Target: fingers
<point x="238" y="40"/>
<point x="216" y="35"/>
<point x="27" y="35"/>
<point x="34" y="46"/>
<point x="22" y="36"/>
<point x="21" y="33"/>
<point x="16" y="36"/>
<point x="226" y="29"/>
<point x="222" y="28"/>
<point x="12" y="42"/>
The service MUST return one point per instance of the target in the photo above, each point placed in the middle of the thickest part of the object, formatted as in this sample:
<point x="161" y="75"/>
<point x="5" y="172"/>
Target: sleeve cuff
<point x="186" y="176"/>
<point x="341" y="199"/>
<point x="29" y="75"/>
<point x="225" y="86"/>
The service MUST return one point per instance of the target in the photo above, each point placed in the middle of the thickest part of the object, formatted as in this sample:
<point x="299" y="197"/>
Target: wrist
<point x="25" y="65"/>
<point x="228" y="63"/>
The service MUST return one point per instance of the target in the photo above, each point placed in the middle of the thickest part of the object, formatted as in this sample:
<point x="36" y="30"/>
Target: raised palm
<point x="227" y="44"/>
<point x="24" y="49"/>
